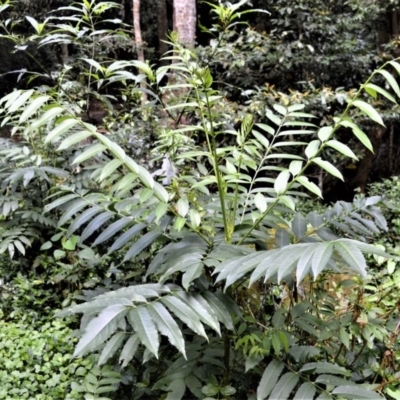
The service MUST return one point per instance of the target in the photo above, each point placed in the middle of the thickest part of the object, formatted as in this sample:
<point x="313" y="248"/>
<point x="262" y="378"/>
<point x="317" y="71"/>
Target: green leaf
<point x="126" y="237"/>
<point x="82" y="219"/>
<point x="393" y="393"/>
<point x="185" y="314"/>
<point x="295" y="167"/>
<point x="312" y="187"/>
<point x="266" y="128"/>
<point x="96" y="224"/>
<point x="352" y="256"/>
<point x="195" y="218"/>
<point x="287" y="259"/>
<point x="32" y="108"/>
<point x="111" y="347"/>
<point x="90" y="152"/>
<point x="219" y="308"/>
<point x="145" y="194"/>
<point x="129" y="350"/>
<point x="47" y="245"/>
<point x="281" y="182"/>
<point x="342" y="148"/>
<point x="372" y="90"/>
<point x="145" y="327"/>
<point x="280" y="109"/>
<point x="210" y="390"/>
<point x="73" y="139"/>
<point x="109" y="168"/>
<point x="182" y="206"/>
<point x="33" y="22"/>
<point x="284" y="386"/>
<point x="269" y="379"/>
<point x="202" y="308"/>
<point x="274" y="118"/>
<point x="160" y="210"/>
<point x="61" y="128"/>
<point x="356" y="393"/>
<point x="176" y="389"/>
<point x="112" y="230"/>
<point x="327" y="166"/>
<point x="192" y="273"/>
<point x="73" y="208"/>
<point x="59" y="202"/>
<point x="46" y="117"/>
<point x="160" y="192"/>
<point x="260" y="202"/>
<point x="345" y="338"/>
<point x="333" y="380"/>
<point x="146" y="178"/>
<point x="312" y="148"/>
<point x="261" y="139"/>
<point x="93" y="63"/>
<point x="304" y="263"/>
<point x="21" y="100"/>
<point x="369" y="111"/>
<point x="321" y="257"/>
<point x="252" y="361"/>
<point x="299" y="225"/>
<point x="167" y="326"/>
<point x="325" y="368"/>
<point x="362" y="137"/>
<point x="99" y="329"/>
<point x="306" y="392"/>
<point x="390" y="79"/>
<point x="325" y="133"/>
<point x="141" y="244"/>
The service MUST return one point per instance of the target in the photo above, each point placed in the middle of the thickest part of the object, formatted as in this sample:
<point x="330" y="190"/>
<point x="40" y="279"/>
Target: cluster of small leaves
<point x="36" y="362"/>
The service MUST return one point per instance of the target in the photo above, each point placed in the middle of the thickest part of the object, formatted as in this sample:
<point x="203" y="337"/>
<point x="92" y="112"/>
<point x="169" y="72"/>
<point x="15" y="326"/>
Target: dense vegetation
<point x="168" y="213"/>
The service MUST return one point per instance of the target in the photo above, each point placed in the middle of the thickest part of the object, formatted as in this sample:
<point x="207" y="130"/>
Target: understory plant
<point x="232" y="293"/>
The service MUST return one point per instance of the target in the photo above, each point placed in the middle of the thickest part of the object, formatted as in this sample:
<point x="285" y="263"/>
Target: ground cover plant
<point x="172" y="225"/>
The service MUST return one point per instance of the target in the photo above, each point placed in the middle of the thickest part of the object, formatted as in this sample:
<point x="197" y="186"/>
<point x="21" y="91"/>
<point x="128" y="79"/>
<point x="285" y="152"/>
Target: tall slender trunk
<point x="138" y="39"/>
<point x="394" y="24"/>
<point x="162" y="26"/>
<point x="184" y="19"/>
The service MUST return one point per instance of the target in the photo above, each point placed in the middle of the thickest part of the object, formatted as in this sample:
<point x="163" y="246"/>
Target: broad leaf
<point x="269" y="379"/>
<point x="356" y="393"/>
<point x="144" y="326"/>
<point x="129" y="350"/>
<point x="184" y="313"/>
<point x="369" y="111"/>
<point x="99" y="329"/>
<point x="167" y="326"/>
<point x="141" y="244"/>
<point x="306" y="392"/>
<point x="111" y="347"/>
<point x="321" y="257"/>
<point x="284" y="386"/>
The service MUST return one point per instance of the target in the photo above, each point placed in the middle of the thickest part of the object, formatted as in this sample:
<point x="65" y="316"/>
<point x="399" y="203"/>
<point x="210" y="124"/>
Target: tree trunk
<point x="184" y="19"/>
<point x="138" y="40"/>
<point x="394" y="24"/>
<point x="162" y="26"/>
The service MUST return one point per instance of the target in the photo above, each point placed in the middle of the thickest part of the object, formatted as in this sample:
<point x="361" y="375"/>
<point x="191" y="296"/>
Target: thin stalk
<point x="212" y="148"/>
<point x="261" y="164"/>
